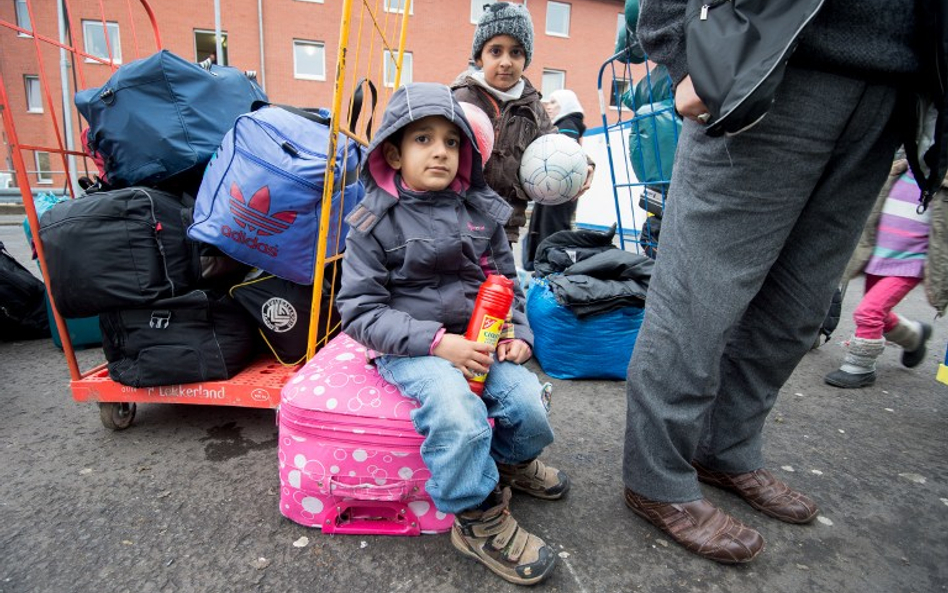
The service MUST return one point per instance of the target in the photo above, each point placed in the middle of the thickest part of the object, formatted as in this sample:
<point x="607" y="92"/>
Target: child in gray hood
<point x="421" y="243"/>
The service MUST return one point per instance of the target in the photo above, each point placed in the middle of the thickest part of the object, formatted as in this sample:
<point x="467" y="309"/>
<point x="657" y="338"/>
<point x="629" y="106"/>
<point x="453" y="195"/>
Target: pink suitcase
<point x="349" y="455"/>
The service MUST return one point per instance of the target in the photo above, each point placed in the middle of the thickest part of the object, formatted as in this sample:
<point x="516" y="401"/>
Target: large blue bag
<point x="260" y="199"/>
<point x="567" y="347"/>
<point x="162" y="116"/>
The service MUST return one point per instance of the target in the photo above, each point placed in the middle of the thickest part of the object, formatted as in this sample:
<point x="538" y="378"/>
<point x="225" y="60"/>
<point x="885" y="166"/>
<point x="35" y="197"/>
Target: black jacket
<point x="590" y="275"/>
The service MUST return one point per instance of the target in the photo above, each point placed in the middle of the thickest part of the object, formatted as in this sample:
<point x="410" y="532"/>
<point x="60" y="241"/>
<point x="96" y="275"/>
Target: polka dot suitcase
<point x="350" y="459"/>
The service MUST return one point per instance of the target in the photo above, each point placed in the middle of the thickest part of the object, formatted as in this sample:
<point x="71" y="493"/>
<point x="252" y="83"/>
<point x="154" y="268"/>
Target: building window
<point x="391" y="68"/>
<point x="93" y="36"/>
<point x="205" y="46"/>
<point x="557" y="19"/>
<point x="309" y="60"/>
<point x="34" y="98"/>
<point x="553" y="80"/>
<point x="615" y="94"/>
<point x="22" y="17"/>
<point x="44" y="173"/>
<point x="398" y="6"/>
<point x="477" y="9"/>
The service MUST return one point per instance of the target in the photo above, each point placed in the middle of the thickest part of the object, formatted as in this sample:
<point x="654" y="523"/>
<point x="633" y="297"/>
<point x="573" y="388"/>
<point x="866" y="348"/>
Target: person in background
<point x="567" y="115"/>
<point x="501" y="51"/>
<point x="894" y="254"/>
<point x="425" y="237"/>
<point x="757" y="230"/>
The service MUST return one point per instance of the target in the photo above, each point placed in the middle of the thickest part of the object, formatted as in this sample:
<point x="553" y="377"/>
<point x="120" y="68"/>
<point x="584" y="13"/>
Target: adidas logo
<point x="255" y="215"/>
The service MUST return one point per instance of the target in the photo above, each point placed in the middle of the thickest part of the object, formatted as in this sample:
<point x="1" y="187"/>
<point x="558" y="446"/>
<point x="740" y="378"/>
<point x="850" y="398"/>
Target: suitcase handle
<point x="358" y="517"/>
<point x="394" y="491"/>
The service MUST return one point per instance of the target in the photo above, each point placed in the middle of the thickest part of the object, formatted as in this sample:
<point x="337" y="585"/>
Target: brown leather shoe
<point x="764" y="492"/>
<point x="700" y="527"/>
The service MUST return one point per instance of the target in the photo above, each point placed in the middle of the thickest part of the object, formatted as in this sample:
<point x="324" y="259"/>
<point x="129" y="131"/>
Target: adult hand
<point x="467" y="356"/>
<point x="688" y="104"/>
<point x="514" y="351"/>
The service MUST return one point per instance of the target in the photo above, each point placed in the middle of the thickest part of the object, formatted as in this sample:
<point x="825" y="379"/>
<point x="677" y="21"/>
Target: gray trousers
<point x="757" y="230"/>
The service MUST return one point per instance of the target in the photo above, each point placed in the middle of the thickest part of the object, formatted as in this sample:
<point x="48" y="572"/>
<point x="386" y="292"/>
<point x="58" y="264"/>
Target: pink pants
<point x="874" y="314"/>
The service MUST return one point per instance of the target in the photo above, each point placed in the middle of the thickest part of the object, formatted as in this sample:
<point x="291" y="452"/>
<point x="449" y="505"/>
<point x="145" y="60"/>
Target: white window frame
<point x="388" y="70"/>
<point x="300" y="43"/>
<point x="114" y="44"/>
<point x="34" y="97"/>
<point x="552" y="72"/>
<point x="43" y="177"/>
<point x="400" y="9"/>
<point x="569" y="10"/>
<point x="477" y="9"/>
<point x="220" y="62"/>
<point x="22" y="17"/>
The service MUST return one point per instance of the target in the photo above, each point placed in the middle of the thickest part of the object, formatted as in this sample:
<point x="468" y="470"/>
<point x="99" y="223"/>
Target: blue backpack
<point x="261" y="195"/>
<point x="162" y="117"/>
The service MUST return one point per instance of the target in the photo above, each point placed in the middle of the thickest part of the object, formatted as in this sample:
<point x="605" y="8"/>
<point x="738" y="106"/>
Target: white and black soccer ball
<point x="553" y="169"/>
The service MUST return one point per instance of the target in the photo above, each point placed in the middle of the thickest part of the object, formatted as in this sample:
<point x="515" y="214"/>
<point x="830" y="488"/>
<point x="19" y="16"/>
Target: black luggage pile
<point x="22" y="302"/>
<point x="122" y="250"/>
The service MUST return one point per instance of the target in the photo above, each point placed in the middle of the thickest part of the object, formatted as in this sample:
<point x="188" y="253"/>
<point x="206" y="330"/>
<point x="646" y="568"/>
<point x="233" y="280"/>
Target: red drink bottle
<point x="493" y="303"/>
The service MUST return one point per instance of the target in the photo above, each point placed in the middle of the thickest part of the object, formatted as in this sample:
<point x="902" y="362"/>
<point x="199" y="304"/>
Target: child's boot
<point x="535" y="478"/>
<point x="912" y="336"/>
<point x="493" y="538"/>
<point x="859" y="366"/>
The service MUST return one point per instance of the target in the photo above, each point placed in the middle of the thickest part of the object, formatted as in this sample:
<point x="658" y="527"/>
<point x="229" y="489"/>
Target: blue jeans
<point x="460" y="449"/>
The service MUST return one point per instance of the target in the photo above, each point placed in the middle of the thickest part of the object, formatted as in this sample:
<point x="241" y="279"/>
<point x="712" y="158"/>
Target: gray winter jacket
<point x="415" y="260"/>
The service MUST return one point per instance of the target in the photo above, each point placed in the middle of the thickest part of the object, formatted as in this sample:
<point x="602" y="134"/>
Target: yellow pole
<point x="338" y="91"/>
<point x="401" y="42"/>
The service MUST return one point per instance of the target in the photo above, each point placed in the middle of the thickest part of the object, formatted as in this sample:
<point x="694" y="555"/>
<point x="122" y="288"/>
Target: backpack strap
<point x="356" y="106"/>
<point x="310" y="114"/>
<point x="358" y="98"/>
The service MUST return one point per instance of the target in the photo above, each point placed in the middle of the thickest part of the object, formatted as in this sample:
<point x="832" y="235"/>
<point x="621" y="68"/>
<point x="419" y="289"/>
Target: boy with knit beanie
<point x="501" y="51"/>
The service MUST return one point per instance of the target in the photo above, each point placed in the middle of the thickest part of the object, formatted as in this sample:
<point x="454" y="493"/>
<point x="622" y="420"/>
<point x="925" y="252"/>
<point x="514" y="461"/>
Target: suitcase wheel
<point x="117" y="415"/>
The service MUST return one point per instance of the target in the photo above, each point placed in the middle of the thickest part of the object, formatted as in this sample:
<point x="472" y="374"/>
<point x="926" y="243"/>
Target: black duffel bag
<point x="200" y="336"/>
<point x="282" y="311"/>
<point x="118" y="249"/>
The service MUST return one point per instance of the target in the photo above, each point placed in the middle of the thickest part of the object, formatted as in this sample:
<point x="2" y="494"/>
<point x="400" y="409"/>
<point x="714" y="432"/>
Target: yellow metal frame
<point x="379" y="26"/>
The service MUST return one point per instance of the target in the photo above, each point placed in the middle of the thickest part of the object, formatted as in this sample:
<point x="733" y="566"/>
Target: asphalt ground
<point x="187" y="498"/>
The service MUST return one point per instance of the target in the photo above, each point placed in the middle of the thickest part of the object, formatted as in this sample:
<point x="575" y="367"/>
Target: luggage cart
<point x="258" y="385"/>
<point x="640" y="144"/>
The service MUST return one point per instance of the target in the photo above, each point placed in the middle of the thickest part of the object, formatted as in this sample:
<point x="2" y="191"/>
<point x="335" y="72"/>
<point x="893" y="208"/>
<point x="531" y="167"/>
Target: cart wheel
<point x="117" y="416"/>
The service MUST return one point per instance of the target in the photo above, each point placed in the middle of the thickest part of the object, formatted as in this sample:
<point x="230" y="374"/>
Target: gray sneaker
<point x="535" y="478"/>
<point x="495" y="539"/>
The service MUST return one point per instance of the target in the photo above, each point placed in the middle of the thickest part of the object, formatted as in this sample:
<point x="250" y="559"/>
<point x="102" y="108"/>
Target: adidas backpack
<point x="261" y="195"/>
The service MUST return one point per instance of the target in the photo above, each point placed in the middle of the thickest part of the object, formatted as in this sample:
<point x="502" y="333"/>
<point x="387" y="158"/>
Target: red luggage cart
<point x="48" y="137"/>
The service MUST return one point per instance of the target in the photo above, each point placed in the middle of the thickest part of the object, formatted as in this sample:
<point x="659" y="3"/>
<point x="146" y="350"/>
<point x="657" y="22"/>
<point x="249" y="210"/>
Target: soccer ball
<point x="553" y="169"/>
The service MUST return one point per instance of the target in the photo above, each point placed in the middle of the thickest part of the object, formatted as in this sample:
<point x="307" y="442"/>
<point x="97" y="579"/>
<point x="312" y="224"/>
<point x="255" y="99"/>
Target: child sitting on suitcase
<point x="421" y="243"/>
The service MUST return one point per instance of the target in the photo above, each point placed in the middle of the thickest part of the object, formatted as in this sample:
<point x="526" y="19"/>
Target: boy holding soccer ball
<point x="502" y="49"/>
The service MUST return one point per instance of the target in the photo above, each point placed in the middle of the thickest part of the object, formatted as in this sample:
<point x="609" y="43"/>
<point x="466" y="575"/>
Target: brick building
<point x="291" y="44"/>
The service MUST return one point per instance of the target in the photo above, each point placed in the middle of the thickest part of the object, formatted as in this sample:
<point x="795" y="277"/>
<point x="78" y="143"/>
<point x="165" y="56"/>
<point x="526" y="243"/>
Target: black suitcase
<point x="118" y="249"/>
<point x="201" y="336"/>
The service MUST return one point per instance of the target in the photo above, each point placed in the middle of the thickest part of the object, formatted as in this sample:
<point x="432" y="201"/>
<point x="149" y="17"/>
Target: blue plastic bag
<point x="595" y="347"/>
